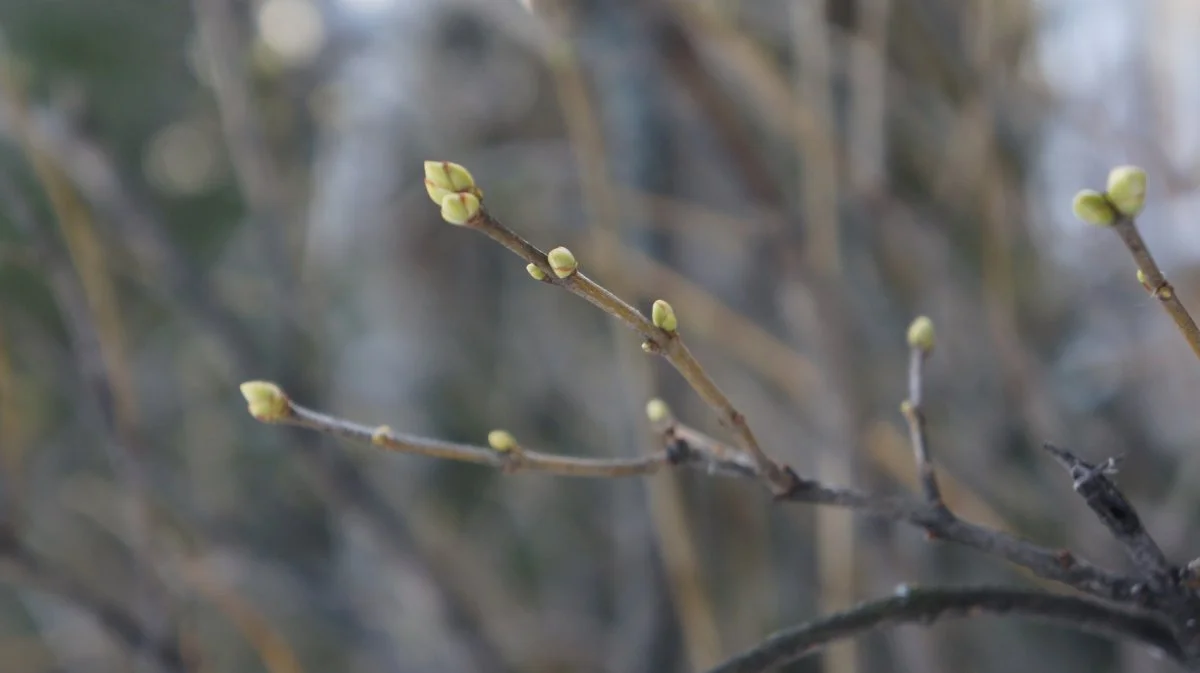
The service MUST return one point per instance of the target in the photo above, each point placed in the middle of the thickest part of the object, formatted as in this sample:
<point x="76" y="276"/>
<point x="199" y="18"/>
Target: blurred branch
<point x="22" y="567"/>
<point x="926" y="606"/>
<point x="258" y="175"/>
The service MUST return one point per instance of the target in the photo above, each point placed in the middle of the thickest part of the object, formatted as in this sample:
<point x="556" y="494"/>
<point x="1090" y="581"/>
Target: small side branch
<point x="275" y="407"/>
<point x="926" y="606"/>
<point x="1114" y="511"/>
<point x="920" y="344"/>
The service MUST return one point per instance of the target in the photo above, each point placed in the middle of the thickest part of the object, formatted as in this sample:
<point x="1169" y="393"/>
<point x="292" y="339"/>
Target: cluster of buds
<point x="452" y="187"/>
<point x="1124" y="197"/>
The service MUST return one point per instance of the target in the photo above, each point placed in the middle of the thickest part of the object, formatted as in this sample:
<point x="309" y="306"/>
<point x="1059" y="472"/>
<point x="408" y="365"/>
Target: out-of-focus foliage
<point x="192" y="196"/>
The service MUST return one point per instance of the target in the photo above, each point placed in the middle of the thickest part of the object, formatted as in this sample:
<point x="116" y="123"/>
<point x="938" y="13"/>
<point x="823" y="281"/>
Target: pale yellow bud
<point x="562" y="261"/>
<point x="1127" y="189"/>
<point x="921" y="335"/>
<point x="663" y="316"/>
<point x="267" y="402"/>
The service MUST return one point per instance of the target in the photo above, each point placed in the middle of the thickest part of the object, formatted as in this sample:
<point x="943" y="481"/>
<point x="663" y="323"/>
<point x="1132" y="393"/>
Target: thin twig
<point x="721" y="460"/>
<point x="1156" y="282"/>
<point x="669" y="344"/>
<point x="1114" y="511"/>
<point x="914" y="414"/>
<point x="926" y="606"/>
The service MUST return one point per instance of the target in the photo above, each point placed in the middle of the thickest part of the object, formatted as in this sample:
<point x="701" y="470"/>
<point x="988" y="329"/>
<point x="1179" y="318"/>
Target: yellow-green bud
<point x="921" y="335"/>
<point x="449" y="176"/>
<point x="266" y="400"/>
<point x="562" y="261"/>
<point x="501" y="441"/>
<point x="381" y="435"/>
<point x="1142" y="278"/>
<point x="459" y="208"/>
<point x="1093" y="207"/>
<point x="663" y="316"/>
<point x="534" y="271"/>
<point x="657" y="411"/>
<point x="1127" y="189"/>
<point x="435" y="192"/>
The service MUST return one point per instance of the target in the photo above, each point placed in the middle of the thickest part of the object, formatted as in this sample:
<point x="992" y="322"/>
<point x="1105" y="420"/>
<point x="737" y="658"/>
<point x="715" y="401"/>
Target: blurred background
<point x="193" y="195"/>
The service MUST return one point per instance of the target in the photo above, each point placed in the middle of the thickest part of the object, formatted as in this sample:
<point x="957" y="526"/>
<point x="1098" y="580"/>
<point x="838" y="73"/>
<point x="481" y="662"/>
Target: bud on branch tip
<point x="562" y="261"/>
<point x="266" y="400"/>
<point x="663" y="316"/>
<point x="502" y="441"/>
<point x="1093" y="207"/>
<point x="921" y="335"/>
<point x="448" y="176"/>
<point x="1127" y="189"/>
<point x="657" y="411"/>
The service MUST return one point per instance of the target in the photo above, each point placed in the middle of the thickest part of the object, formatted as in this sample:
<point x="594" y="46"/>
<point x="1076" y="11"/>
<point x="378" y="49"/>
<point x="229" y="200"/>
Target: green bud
<point x="657" y="411"/>
<point x="562" y="261"/>
<point x="449" y="176"/>
<point x="534" y="271"/>
<point x="501" y="441"/>
<point x="921" y="334"/>
<point x="663" y="316"/>
<point x="435" y="192"/>
<point x="267" y="401"/>
<point x="1093" y="207"/>
<point x="1127" y="189"/>
<point x="459" y="208"/>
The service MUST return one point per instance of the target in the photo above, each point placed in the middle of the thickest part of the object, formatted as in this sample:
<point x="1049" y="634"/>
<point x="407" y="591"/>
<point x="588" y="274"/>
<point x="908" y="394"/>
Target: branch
<point x="1114" y="511"/>
<point x="269" y="404"/>
<point x="925" y="606"/>
<point x="452" y="186"/>
<point x="685" y="446"/>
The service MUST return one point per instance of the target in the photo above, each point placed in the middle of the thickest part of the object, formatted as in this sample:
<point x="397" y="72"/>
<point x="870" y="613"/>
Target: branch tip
<point x="266" y="401"/>
<point x="658" y="411"/>
<point x="921" y="335"/>
<point x="1127" y="189"/>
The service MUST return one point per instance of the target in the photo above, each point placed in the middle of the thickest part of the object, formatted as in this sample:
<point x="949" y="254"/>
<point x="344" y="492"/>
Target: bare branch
<point x="1114" y="511"/>
<point x="925" y="606"/>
